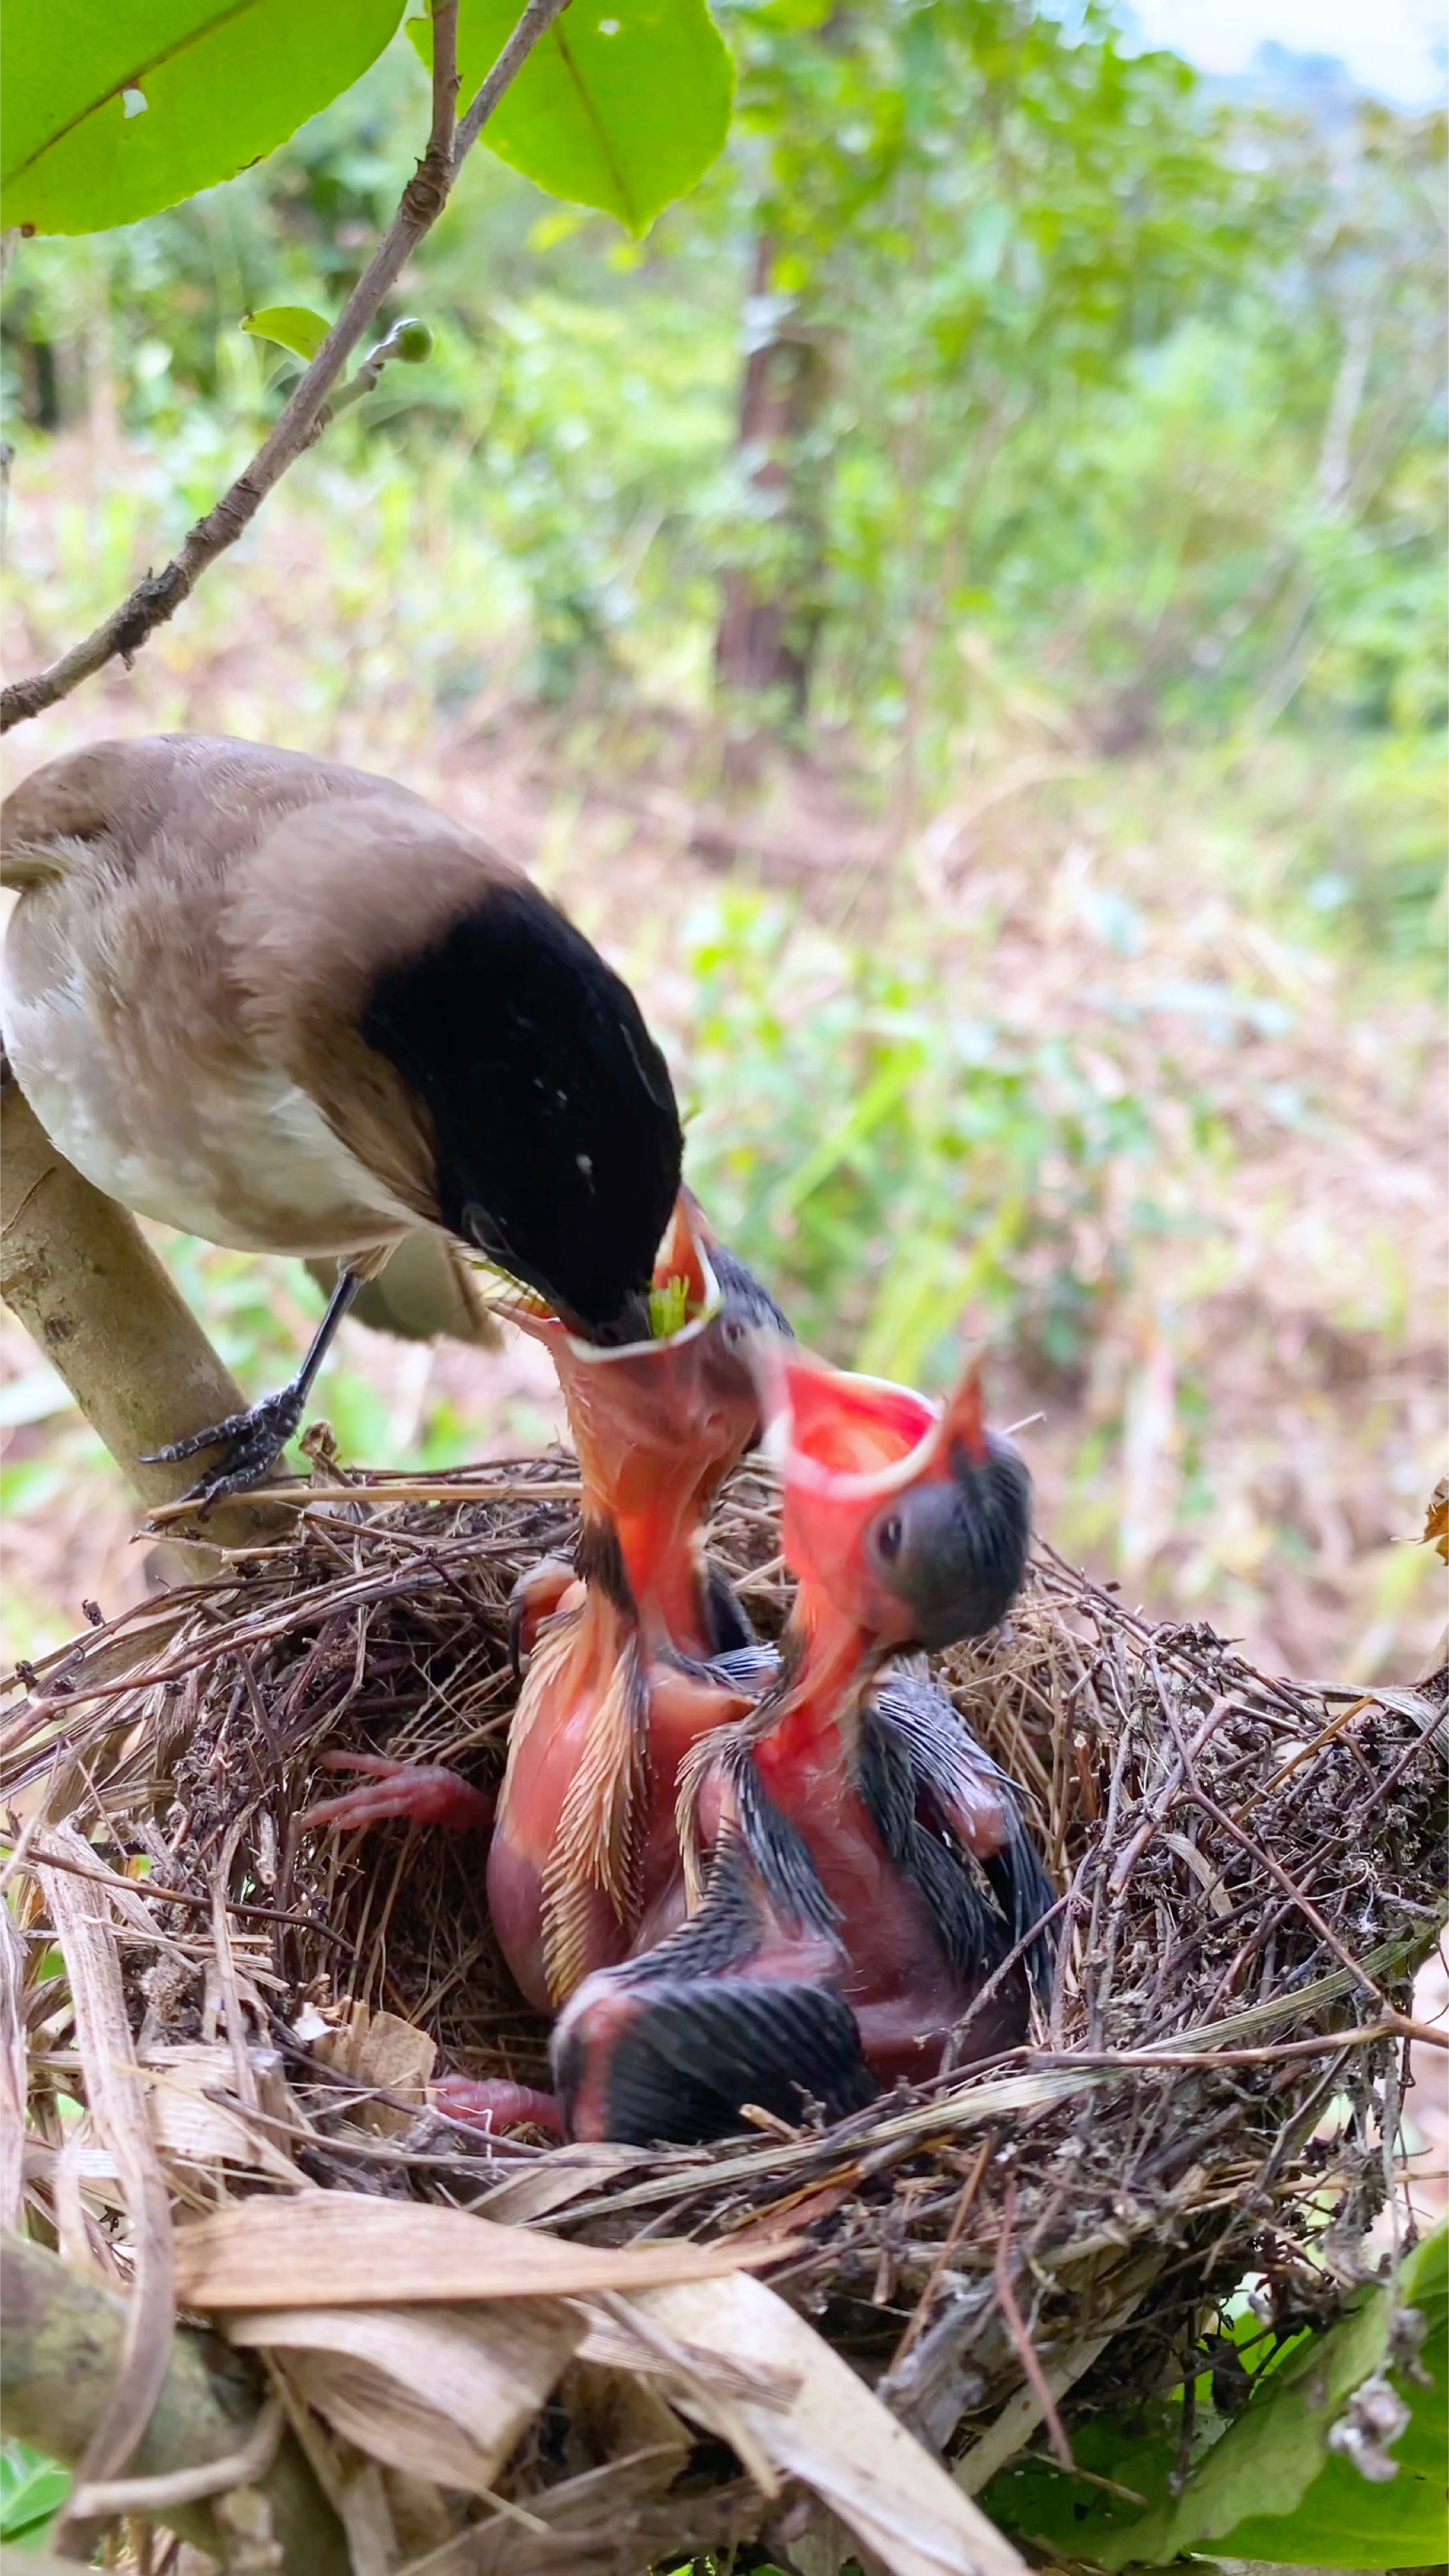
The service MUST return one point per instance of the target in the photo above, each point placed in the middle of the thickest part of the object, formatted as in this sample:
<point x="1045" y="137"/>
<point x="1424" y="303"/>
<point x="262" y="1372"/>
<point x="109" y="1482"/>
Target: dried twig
<point x="185" y="2486"/>
<point x="1016" y="2328"/>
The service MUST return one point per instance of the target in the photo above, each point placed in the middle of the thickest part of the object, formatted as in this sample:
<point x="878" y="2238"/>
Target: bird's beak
<point x="657" y="1424"/>
<point x="852" y="1451"/>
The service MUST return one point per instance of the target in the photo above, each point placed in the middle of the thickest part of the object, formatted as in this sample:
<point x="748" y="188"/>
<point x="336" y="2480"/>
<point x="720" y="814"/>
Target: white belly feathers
<point x="247" y="1161"/>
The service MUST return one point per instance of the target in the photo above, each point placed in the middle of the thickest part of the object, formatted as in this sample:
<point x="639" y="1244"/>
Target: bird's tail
<point x="25" y="864"/>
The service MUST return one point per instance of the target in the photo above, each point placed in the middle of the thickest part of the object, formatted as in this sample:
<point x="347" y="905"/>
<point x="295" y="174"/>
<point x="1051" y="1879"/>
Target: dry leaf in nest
<point x="1436" y="1519"/>
<point x="829" y="2430"/>
<point x="443" y="2392"/>
<point x="380" y="2048"/>
<point x="195" y="2120"/>
<point x="334" y="2249"/>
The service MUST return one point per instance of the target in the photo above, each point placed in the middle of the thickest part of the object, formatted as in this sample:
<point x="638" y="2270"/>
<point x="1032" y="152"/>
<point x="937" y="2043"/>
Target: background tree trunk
<point x="766" y="640"/>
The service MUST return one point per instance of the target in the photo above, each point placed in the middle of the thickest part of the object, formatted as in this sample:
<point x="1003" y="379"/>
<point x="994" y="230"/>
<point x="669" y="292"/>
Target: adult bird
<point x="866" y="1866"/>
<point x="294" y="1008"/>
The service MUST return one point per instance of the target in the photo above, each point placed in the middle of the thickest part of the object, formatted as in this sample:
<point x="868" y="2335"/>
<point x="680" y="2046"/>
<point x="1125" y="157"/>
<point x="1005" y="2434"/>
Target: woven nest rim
<point x="1249" y="1870"/>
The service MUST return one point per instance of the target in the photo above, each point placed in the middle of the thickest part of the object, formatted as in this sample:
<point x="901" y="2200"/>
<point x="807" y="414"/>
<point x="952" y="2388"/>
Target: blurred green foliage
<point x="32" y="2491"/>
<point x="890" y="1159"/>
<point x="1139" y="385"/>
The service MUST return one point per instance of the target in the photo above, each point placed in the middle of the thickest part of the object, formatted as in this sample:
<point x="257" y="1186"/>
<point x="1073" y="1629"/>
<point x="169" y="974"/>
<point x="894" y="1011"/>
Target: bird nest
<point x="702" y="2345"/>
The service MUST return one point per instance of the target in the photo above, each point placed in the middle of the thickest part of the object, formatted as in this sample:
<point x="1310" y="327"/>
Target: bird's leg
<point x="424" y="1792"/>
<point x="254" y="1440"/>
<point x="495" y="2104"/>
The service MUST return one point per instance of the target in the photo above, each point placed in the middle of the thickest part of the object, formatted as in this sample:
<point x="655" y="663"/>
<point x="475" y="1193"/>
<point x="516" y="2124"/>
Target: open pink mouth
<point x="847" y="1446"/>
<point x="851" y="1435"/>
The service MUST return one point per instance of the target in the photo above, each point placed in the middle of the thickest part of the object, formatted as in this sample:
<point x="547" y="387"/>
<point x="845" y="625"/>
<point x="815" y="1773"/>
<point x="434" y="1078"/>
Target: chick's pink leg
<point x="423" y="1792"/>
<point x="496" y="2104"/>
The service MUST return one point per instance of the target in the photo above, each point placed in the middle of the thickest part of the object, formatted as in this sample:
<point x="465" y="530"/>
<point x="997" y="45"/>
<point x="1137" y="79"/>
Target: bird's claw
<point x="420" y="1793"/>
<point x="254" y="1441"/>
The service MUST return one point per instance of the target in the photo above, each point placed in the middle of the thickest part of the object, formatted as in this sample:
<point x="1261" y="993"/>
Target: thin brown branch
<point x="1305" y="1905"/>
<point x="1016" y="2327"/>
<point x="162" y="2494"/>
<point x="46" y="1858"/>
<point x="947" y="2247"/>
<point x="159" y="595"/>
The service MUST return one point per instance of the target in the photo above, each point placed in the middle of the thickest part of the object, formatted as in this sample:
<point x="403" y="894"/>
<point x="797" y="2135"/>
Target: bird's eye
<point x="888" y="1537"/>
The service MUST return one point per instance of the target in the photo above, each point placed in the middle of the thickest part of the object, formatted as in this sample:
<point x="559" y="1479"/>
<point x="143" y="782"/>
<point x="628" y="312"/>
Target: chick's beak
<point x="891" y="1506"/>
<point x="846" y="1446"/>
<point x="658" y="1423"/>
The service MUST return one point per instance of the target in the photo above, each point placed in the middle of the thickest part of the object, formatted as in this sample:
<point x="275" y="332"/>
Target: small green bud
<point x="414" y="342"/>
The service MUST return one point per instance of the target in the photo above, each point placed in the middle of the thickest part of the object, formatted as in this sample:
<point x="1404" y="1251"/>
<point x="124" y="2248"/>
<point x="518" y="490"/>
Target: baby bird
<point x="621" y="1643"/>
<point x="291" y="1007"/>
<point x="868" y="1866"/>
<point x="636" y="1650"/>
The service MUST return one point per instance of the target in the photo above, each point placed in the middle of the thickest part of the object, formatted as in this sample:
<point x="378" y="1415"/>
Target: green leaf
<point x="622" y="105"/>
<point x="291" y="326"/>
<point x="1328" y="2514"/>
<point x="32" y="2491"/>
<point x="1343" y="2519"/>
<point x="113" y="109"/>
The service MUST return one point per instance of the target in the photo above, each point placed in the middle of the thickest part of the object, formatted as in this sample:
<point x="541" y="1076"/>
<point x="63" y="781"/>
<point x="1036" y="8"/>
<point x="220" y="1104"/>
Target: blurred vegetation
<point x="1137" y="382"/>
<point x="1006" y="416"/>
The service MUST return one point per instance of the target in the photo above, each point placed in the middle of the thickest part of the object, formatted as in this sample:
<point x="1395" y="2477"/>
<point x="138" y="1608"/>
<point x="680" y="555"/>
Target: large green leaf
<point x="1341" y="2519"/>
<point x="1269" y="2488"/>
<point x="112" y="109"/>
<point x="622" y="105"/>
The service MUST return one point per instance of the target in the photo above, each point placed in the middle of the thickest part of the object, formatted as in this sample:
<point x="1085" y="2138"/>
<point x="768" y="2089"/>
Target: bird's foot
<point x="422" y="1792"/>
<point x="253" y="1441"/>
<point x="496" y="2105"/>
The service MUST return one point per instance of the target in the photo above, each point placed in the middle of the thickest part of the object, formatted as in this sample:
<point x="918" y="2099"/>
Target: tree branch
<point x="159" y="595"/>
<point x="59" y="2353"/>
<point x="93" y="1296"/>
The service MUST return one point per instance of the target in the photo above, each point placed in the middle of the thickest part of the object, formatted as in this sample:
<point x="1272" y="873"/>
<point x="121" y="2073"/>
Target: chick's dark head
<point x="911" y="1521"/>
<point x="557" y="1137"/>
<point x="952" y="1554"/>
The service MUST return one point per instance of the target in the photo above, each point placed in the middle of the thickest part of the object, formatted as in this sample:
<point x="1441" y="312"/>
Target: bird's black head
<point x="953" y="1553"/>
<point x="558" y="1139"/>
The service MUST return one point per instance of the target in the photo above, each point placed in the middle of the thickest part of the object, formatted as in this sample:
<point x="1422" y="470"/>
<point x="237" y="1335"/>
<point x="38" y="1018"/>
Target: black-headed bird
<point x="293" y="1008"/>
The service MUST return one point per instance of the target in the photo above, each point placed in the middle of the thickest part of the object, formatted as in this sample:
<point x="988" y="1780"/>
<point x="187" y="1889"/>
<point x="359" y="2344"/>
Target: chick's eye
<point x="888" y="1537"/>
